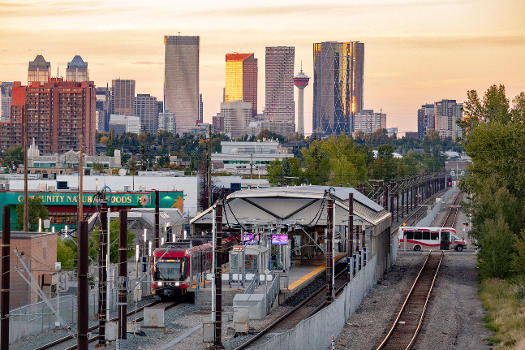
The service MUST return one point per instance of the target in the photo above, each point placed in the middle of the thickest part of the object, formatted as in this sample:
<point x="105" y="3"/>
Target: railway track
<point x="406" y="326"/>
<point x="67" y="338"/>
<point x="450" y="218"/>
<point x="309" y="306"/>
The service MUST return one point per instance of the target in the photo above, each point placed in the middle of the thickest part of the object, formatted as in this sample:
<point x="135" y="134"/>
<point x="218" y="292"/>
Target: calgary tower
<point x="301" y="81"/>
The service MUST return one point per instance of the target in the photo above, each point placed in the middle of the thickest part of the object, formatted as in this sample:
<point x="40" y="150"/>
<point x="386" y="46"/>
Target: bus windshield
<point x="169" y="271"/>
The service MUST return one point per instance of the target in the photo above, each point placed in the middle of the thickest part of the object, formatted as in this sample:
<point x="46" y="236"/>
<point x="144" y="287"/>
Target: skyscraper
<point x="5" y="100"/>
<point x="122" y="96"/>
<point x="447" y="113"/>
<point x="38" y="70"/>
<point x="241" y="79"/>
<point x="77" y="70"/>
<point x="57" y="112"/>
<point x="103" y="105"/>
<point x="181" y="80"/>
<point x="147" y="108"/>
<point x="237" y="116"/>
<point x="426" y="116"/>
<point x="279" y="108"/>
<point x="338" y="85"/>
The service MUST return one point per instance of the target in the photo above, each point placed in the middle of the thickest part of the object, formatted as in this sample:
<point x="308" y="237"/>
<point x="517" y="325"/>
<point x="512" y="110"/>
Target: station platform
<point x="300" y="275"/>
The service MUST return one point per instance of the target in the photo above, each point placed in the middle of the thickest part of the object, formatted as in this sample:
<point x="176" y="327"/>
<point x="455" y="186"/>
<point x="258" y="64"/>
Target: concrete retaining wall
<point x="316" y="331"/>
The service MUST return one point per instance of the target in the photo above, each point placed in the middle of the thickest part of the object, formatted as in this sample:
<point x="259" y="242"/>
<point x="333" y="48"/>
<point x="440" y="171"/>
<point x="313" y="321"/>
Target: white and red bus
<point x="420" y="238"/>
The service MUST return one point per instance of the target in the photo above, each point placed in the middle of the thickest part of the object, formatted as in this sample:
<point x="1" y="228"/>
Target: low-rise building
<point x="38" y="252"/>
<point x="68" y="162"/>
<point x="247" y="157"/>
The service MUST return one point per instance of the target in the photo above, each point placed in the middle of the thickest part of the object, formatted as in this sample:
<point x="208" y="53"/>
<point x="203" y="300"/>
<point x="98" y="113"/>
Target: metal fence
<point x="32" y="319"/>
<point x="273" y="291"/>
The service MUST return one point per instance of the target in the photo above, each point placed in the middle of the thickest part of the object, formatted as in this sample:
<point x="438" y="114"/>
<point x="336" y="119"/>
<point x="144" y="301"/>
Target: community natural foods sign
<point x="169" y="199"/>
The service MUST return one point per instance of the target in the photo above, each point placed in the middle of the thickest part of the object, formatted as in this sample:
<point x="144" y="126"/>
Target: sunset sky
<point x="416" y="51"/>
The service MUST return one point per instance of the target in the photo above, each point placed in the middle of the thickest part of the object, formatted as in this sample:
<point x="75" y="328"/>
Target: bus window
<point x="418" y="235"/>
<point x="409" y="234"/>
<point x="426" y="235"/>
<point x="434" y="236"/>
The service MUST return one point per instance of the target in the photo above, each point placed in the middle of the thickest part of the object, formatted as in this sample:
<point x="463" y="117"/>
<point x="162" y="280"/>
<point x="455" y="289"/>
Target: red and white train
<point x="419" y="238"/>
<point x="178" y="266"/>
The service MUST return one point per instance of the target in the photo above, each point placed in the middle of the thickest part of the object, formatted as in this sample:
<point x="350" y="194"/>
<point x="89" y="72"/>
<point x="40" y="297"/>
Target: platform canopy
<point x="299" y="205"/>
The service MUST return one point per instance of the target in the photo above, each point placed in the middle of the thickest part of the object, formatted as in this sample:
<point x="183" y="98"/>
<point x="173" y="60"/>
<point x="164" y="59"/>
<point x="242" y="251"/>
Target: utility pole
<point x="102" y="276"/>
<point x="24" y="146"/>
<point x="208" y="177"/>
<point x="4" y="288"/>
<point x="350" y="238"/>
<point x="329" y="252"/>
<point x="157" y="218"/>
<point x="82" y="295"/>
<point x="123" y="277"/>
<point x="81" y="180"/>
<point x="392" y="199"/>
<point x="218" y="279"/>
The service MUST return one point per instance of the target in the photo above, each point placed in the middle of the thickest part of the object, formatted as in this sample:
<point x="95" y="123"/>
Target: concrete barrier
<point x="316" y="331"/>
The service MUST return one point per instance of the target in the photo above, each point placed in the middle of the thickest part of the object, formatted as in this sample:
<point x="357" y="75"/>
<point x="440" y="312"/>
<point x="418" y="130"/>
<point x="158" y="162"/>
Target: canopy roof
<point x="299" y="205"/>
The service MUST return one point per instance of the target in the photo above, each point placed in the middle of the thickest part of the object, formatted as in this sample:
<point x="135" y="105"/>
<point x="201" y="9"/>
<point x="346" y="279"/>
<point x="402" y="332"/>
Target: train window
<point x="426" y="235"/>
<point x="409" y="234"/>
<point x="434" y="236"/>
<point x="418" y="235"/>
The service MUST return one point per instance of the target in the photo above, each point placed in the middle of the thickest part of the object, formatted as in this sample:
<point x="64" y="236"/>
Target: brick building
<point x="57" y="112"/>
<point x="39" y="253"/>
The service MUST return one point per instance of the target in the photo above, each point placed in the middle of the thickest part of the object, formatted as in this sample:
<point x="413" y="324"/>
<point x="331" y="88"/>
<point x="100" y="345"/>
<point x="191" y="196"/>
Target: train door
<point x="445" y="240"/>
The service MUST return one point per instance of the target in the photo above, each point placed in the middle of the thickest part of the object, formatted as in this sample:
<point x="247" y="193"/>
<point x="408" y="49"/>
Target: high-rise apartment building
<point x="39" y="70"/>
<point x="103" y="106"/>
<point x="57" y="113"/>
<point x="279" y="109"/>
<point x="122" y="96"/>
<point x="237" y="116"/>
<point x="147" y="109"/>
<point x="167" y="122"/>
<point x="6" y="89"/>
<point x="241" y="79"/>
<point x="338" y="85"/>
<point x="426" y="116"/>
<point x="448" y="112"/>
<point x="368" y="122"/>
<point x="77" y="70"/>
<point x="181" y="80"/>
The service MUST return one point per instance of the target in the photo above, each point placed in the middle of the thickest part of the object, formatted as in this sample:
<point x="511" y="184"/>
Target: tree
<point x="13" y="157"/>
<point x="495" y="139"/>
<point x="98" y="167"/>
<point x="114" y="238"/>
<point x="66" y="253"/>
<point x="35" y="211"/>
<point x="285" y="172"/>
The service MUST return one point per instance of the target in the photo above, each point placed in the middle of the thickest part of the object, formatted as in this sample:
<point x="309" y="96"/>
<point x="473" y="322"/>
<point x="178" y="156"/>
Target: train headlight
<point x="159" y="283"/>
<point x="177" y="284"/>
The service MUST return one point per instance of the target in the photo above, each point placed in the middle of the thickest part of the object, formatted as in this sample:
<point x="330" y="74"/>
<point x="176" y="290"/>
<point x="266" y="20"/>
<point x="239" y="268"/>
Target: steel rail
<point x="289" y="313"/>
<point x="92" y="328"/>
<point x="395" y="324"/>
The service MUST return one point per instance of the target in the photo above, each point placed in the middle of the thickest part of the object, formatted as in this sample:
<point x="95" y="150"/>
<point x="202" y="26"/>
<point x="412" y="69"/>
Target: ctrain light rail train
<point x="177" y="266"/>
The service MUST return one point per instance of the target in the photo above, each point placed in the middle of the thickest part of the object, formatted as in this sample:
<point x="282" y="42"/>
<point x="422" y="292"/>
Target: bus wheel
<point x="459" y="248"/>
<point x="417" y="248"/>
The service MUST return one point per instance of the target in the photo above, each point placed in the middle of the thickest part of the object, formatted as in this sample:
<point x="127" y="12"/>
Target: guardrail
<point x="273" y="291"/>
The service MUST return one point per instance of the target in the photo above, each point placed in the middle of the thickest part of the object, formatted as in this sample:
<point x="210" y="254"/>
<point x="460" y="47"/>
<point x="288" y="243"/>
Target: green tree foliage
<point x="495" y="140"/>
<point x="285" y="172"/>
<point x="114" y="238"/>
<point x="13" y="156"/>
<point x="66" y="252"/>
<point x="35" y="211"/>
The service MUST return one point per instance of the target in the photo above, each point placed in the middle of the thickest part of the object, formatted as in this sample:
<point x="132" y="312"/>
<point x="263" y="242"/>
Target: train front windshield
<point x="170" y="271"/>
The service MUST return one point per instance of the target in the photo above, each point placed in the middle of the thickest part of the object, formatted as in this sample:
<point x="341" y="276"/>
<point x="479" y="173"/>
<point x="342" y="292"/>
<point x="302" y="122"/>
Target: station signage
<point x="124" y="199"/>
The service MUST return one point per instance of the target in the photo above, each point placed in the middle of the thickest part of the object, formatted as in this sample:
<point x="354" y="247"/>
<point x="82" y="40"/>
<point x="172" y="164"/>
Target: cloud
<point x="147" y="62"/>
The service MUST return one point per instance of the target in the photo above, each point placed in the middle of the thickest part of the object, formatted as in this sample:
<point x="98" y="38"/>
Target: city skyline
<point x="410" y="61"/>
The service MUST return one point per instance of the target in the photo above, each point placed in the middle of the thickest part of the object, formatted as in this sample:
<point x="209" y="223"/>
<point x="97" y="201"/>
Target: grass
<point x="505" y="305"/>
